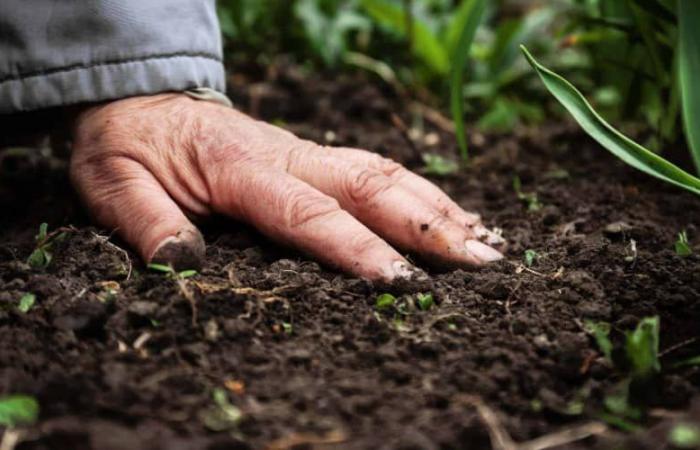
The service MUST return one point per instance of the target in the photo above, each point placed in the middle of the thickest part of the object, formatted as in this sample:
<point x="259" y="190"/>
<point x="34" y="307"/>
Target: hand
<point x="146" y="165"/>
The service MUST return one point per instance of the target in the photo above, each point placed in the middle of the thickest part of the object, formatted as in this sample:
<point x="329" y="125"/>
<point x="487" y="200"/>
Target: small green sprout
<point x="42" y="255"/>
<point x="222" y="415"/>
<point x="26" y="302"/>
<point x="684" y="435"/>
<point x="529" y="198"/>
<point x="18" y="410"/>
<point x="437" y="165"/>
<point x="682" y="245"/>
<point x="384" y="302"/>
<point x="171" y="272"/>
<point x="601" y="333"/>
<point x="288" y="328"/>
<point x="642" y="348"/>
<point x="530" y="257"/>
<point x="425" y="301"/>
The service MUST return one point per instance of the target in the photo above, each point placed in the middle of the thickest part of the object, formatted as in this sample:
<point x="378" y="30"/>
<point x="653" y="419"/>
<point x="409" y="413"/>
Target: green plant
<point x="682" y="245"/>
<point x="425" y="301"/>
<point x="529" y="198"/>
<point x="529" y="257"/>
<point x="621" y="146"/>
<point x="443" y="51"/>
<point x="684" y="435"/>
<point x="222" y="415"/>
<point x="26" y="302"/>
<point x="18" y="410"/>
<point x="42" y="254"/>
<point x="438" y="165"/>
<point x="170" y="272"/>
<point x="384" y="302"/>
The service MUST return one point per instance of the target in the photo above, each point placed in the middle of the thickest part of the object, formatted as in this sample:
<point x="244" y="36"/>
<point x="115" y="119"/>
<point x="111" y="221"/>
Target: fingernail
<point x="183" y="251"/>
<point x="482" y="251"/>
<point x="402" y="269"/>
<point x="489" y="237"/>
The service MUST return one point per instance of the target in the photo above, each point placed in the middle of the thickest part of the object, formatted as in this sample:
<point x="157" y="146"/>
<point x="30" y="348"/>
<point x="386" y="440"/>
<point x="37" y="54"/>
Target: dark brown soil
<point x="121" y="362"/>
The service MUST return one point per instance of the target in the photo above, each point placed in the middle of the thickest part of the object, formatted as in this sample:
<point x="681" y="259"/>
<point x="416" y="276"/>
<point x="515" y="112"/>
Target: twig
<point x="675" y="347"/>
<point x="105" y="240"/>
<point x="501" y="439"/>
<point x="10" y="439"/>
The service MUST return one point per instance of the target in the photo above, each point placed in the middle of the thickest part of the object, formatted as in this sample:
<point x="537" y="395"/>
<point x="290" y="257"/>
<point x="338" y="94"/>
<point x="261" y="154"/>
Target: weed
<point x="529" y="198"/>
<point x="385" y="302"/>
<point x="684" y="435"/>
<point x="222" y="415"/>
<point x="530" y="257"/>
<point x="26" y="302"/>
<point x="438" y="165"/>
<point x="425" y="301"/>
<point x="682" y="245"/>
<point x="42" y="254"/>
<point x="171" y="272"/>
<point x="18" y="410"/>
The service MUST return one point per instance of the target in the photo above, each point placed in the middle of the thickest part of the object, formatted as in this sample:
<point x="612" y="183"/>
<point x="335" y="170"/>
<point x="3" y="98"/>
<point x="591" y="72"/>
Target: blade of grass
<point x="468" y="23"/>
<point x="618" y="144"/>
<point x="689" y="68"/>
<point x="426" y="45"/>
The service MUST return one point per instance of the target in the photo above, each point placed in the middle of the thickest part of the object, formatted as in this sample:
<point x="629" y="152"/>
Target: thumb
<point x="123" y="195"/>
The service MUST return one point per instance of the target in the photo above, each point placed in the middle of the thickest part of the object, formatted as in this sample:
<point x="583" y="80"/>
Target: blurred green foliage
<point x="622" y="54"/>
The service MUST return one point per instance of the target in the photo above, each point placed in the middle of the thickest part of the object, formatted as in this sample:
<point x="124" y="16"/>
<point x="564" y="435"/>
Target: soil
<point x="120" y="357"/>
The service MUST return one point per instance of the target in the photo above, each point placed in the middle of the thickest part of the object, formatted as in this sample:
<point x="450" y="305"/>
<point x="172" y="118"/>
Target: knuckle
<point x="364" y="243"/>
<point x="304" y="207"/>
<point x="366" y="184"/>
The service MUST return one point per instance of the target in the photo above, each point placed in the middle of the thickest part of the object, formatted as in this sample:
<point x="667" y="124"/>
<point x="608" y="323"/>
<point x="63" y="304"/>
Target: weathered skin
<point x="146" y="165"/>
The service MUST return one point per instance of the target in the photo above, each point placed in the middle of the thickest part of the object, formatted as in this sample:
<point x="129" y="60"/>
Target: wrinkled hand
<point x="143" y="165"/>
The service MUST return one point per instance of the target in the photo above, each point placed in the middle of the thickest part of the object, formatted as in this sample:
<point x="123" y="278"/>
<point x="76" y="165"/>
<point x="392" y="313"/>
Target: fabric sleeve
<point x="58" y="53"/>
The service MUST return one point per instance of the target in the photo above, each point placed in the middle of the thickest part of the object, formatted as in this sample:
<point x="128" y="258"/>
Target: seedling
<point x="425" y="301"/>
<point x="529" y="198"/>
<point x="437" y="165"/>
<point x="42" y="255"/>
<point x="288" y="328"/>
<point x="530" y="257"/>
<point x="222" y="415"/>
<point x="682" y="245"/>
<point x="26" y="302"/>
<point x="641" y="360"/>
<point x="171" y="272"/>
<point x="684" y="435"/>
<point x="18" y="410"/>
<point x="385" y="302"/>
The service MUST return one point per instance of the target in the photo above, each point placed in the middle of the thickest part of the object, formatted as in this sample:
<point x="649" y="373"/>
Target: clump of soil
<point x="120" y="357"/>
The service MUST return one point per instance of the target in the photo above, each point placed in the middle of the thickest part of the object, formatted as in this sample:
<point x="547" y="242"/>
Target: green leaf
<point x="642" y="347"/>
<point x="469" y="19"/>
<point x="43" y="231"/>
<point x="26" y="302"/>
<point x="161" y="268"/>
<point x="694" y="361"/>
<point x="222" y="415"/>
<point x="187" y="273"/>
<point x="684" y="435"/>
<point x="425" y="301"/>
<point x="426" y="45"/>
<point x="39" y="259"/>
<point x="618" y="144"/>
<point x="18" y="410"/>
<point x="437" y="165"/>
<point x="530" y="257"/>
<point x="601" y="334"/>
<point x="682" y="245"/>
<point x="689" y="70"/>
<point x="385" y="301"/>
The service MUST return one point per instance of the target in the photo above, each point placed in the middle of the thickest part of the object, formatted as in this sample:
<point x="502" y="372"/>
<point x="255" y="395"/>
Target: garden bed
<point x="302" y="352"/>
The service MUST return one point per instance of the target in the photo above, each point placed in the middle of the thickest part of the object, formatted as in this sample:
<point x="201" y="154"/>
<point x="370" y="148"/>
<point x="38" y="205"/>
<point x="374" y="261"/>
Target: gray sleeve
<point x="56" y="53"/>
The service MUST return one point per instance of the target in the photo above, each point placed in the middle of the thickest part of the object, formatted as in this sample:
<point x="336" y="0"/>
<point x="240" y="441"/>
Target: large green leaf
<point x="469" y="21"/>
<point x="618" y="144"/>
<point x="689" y="71"/>
<point x="426" y="45"/>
